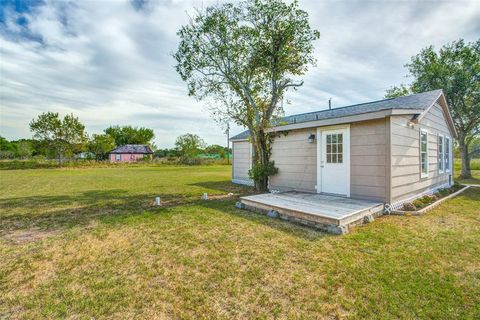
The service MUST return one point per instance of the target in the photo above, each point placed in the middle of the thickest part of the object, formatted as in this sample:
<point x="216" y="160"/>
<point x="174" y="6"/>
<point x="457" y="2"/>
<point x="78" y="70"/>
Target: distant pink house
<point x="130" y="153"/>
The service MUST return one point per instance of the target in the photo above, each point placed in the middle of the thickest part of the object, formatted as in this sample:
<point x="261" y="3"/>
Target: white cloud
<point x="110" y="63"/>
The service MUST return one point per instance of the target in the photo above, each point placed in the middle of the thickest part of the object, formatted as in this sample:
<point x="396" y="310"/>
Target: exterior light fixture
<point x="311" y="138"/>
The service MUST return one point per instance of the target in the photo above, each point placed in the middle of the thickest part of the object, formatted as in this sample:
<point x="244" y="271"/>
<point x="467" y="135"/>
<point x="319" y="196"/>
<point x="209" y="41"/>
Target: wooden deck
<point x="326" y="212"/>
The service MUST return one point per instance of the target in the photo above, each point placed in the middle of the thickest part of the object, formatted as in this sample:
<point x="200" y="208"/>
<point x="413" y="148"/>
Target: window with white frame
<point x="423" y="153"/>
<point x="441" y="155"/>
<point x="447" y="157"/>
<point x="118" y="157"/>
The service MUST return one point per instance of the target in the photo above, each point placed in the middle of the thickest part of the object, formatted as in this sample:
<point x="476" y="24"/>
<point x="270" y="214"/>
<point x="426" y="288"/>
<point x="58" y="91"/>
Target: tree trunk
<point x="465" y="174"/>
<point x="60" y="156"/>
<point x="261" y="156"/>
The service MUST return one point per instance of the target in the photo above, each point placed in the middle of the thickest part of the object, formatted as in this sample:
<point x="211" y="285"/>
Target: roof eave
<point x="446" y="109"/>
<point x="346" y="119"/>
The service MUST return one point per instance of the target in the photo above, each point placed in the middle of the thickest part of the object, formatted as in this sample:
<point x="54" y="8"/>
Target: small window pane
<point x="329" y="138"/>
<point x="340" y="158"/>
<point x="447" y="154"/>
<point x="329" y="148"/>
<point x="340" y="137"/>
<point x="340" y="148"/>
<point x="334" y="138"/>
<point x="440" y="153"/>
<point x="424" y="162"/>
<point x="329" y="158"/>
<point x="334" y="148"/>
<point x="424" y="153"/>
<point x="334" y="158"/>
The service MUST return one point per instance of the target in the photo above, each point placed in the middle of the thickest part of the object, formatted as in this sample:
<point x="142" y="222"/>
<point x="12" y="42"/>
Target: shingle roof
<point x="414" y="102"/>
<point x="133" y="148"/>
<point x="419" y="101"/>
<point x="241" y="136"/>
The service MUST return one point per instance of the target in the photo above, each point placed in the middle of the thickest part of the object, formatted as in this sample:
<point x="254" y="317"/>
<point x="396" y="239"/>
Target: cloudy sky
<point x="109" y="62"/>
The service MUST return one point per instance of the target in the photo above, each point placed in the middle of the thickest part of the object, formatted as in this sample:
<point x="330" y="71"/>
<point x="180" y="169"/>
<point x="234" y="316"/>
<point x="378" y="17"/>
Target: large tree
<point x="250" y="54"/>
<point x="189" y="145"/>
<point x="455" y="68"/>
<point x="100" y="145"/>
<point x="61" y="136"/>
<point x="130" y="135"/>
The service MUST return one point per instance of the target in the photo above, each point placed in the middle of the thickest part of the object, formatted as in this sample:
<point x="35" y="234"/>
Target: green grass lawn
<point x="87" y="243"/>
<point x="474" y="167"/>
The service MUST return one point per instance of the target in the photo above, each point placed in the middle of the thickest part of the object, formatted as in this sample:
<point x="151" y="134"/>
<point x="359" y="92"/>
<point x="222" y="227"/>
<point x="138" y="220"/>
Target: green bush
<point x="456" y="186"/>
<point x="418" y="203"/>
<point x="260" y="171"/>
<point x="427" y="199"/>
<point x="444" y="192"/>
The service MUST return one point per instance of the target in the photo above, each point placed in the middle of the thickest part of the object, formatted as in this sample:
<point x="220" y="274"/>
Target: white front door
<point x="334" y="160"/>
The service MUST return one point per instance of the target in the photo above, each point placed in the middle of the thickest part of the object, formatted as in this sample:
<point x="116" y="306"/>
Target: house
<point x="130" y="153"/>
<point x="389" y="151"/>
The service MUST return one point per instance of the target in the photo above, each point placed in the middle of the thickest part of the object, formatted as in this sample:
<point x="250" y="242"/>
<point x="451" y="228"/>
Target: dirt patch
<point x="26" y="236"/>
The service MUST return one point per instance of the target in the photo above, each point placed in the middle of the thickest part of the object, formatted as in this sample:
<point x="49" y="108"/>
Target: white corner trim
<point x="348" y="153"/>
<point x="319" y="159"/>
<point x="449" y="155"/>
<point x="251" y="154"/>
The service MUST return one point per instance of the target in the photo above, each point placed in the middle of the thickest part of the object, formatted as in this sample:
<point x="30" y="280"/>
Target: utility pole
<point x="227" y="131"/>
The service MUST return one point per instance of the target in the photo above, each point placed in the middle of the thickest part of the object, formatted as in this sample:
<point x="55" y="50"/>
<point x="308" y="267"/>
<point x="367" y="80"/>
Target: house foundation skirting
<point x="398" y="205"/>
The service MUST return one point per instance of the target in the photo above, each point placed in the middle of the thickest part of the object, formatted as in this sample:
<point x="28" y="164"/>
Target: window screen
<point x="447" y="154"/>
<point x="335" y="148"/>
<point x="440" y="153"/>
<point x="424" y="153"/>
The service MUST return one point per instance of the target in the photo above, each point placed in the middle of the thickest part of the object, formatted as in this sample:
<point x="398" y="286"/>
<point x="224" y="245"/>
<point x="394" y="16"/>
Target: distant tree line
<point x="65" y="138"/>
<point x="190" y="146"/>
<point x="62" y="138"/>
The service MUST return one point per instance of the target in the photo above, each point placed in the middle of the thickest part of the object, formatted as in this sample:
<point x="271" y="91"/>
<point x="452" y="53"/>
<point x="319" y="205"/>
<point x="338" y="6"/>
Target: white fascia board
<point x="446" y="110"/>
<point x="343" y="120"/>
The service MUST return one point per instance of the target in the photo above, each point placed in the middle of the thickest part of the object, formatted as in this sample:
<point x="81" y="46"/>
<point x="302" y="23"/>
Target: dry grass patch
<point x="206" y="259"/>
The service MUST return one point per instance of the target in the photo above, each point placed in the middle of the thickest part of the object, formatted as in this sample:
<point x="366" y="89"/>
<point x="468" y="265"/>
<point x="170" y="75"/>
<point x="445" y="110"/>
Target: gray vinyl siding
<point x="405" y="154"/>
<point x="368" y="146"/>
<point x="296" y="160"/>
<point x="242" y="161"/>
